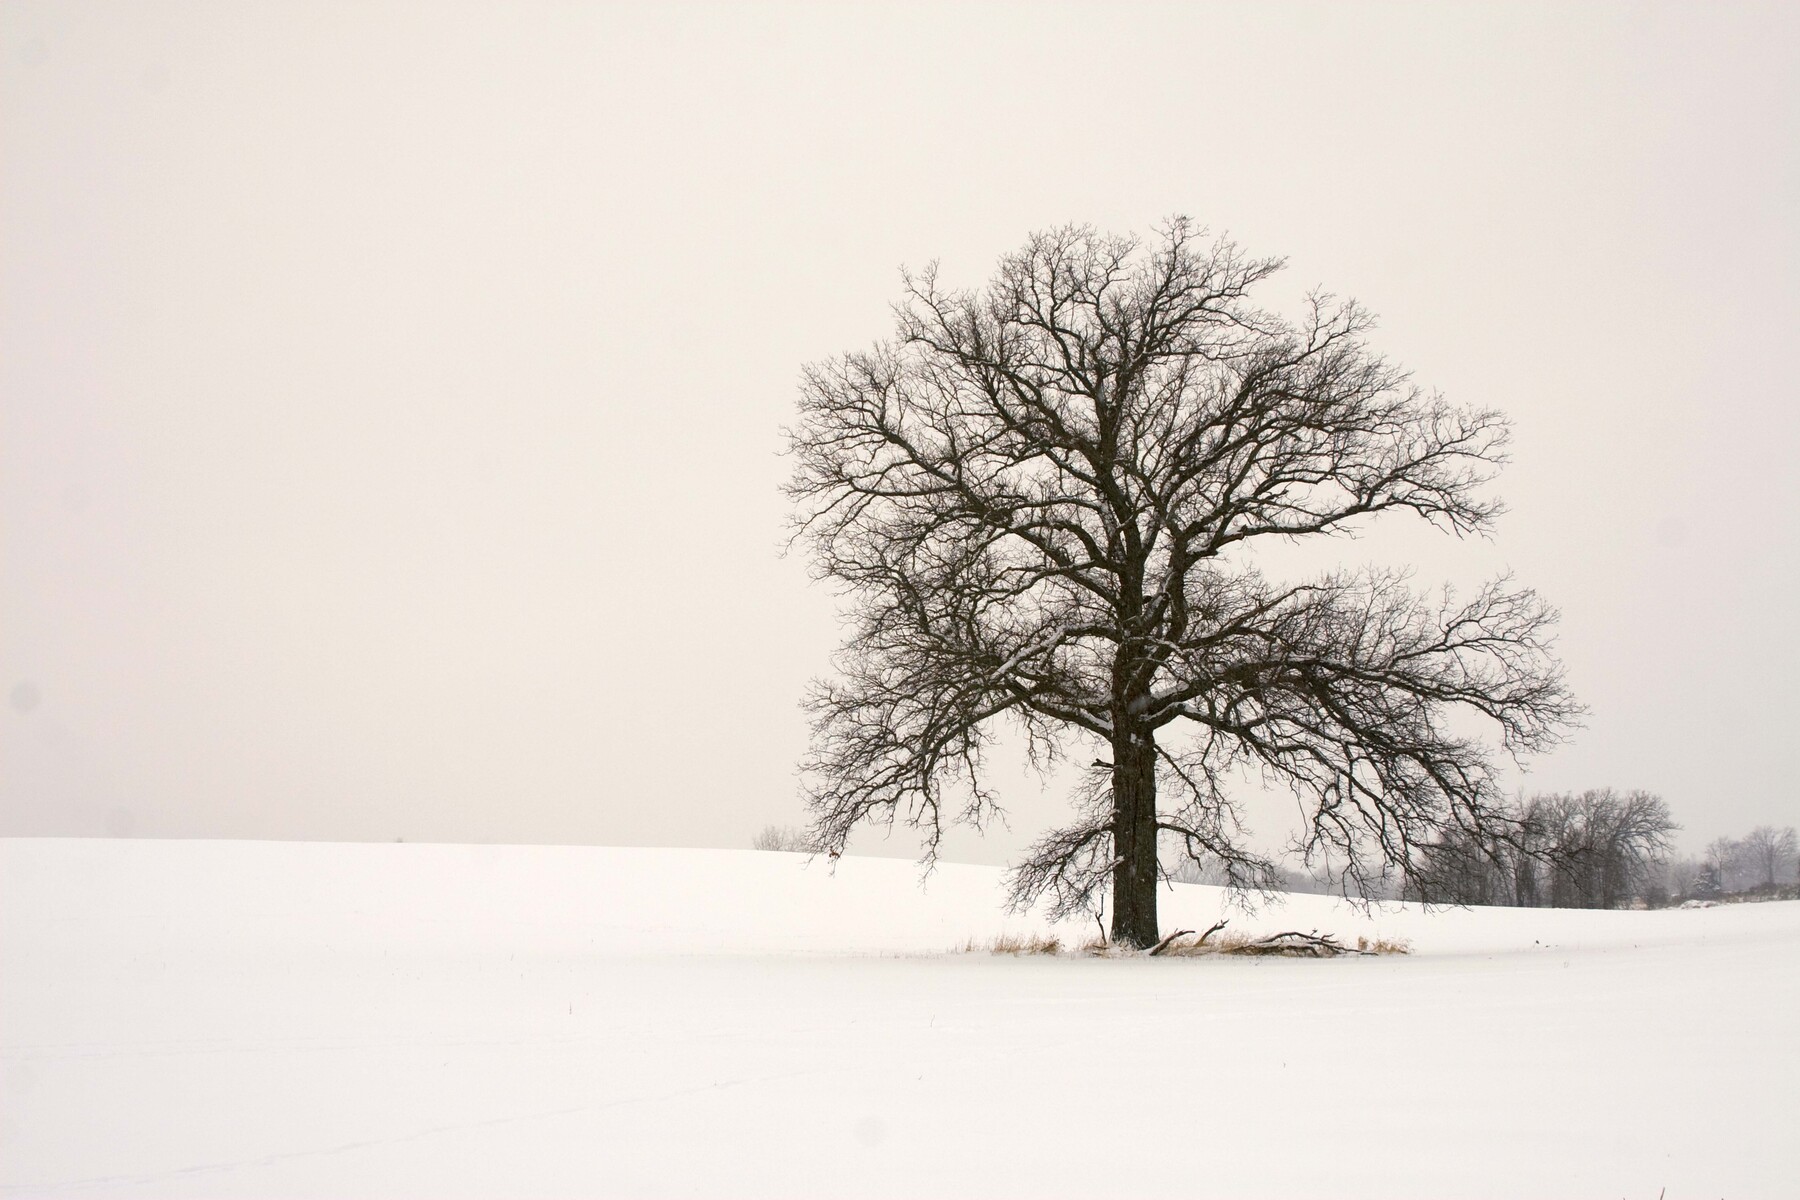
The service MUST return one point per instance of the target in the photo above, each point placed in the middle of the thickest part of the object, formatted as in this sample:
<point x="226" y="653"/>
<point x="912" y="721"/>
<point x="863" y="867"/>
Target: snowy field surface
<point x="233" y="1019"/>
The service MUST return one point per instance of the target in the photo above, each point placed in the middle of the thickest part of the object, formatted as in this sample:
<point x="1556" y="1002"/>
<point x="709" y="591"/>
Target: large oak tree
<point x="1042" y="501"/>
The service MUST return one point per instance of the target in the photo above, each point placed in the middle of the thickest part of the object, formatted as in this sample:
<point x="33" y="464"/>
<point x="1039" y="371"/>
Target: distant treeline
<point x="1595" y="849"/>
<point x="1600" y="849"/>
<point x="1764" y="862"/>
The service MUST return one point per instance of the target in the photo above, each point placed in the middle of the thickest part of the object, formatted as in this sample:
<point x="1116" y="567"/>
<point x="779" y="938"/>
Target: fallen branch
<point x="1164" y="944"/>
<point x="1169" y="942"/>
<point x="1310" y="945"/>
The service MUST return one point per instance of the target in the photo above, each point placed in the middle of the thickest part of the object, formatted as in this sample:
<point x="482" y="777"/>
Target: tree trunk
<point x="1134" y="838"/>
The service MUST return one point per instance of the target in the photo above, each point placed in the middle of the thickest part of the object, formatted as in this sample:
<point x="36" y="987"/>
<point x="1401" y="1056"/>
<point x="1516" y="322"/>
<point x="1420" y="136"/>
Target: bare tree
<point x="1766" y="848"/>
<point x="1460" y="868"/>
<point x="1727" y="861"/>
<point x="1603" y="846"/>
<point x="1509" y="867"/>
<point x="1677" y="877"/>
<point x="1527" y="850"/>
<point x="1633" y="833"/>
<point x="1041" y="501"/>
<point x="782" y="837"/>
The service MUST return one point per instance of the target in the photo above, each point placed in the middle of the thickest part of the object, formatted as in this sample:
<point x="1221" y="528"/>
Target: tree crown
<point x="1038" y="498"/>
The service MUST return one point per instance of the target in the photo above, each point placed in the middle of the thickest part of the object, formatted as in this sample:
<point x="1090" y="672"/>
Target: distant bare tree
<point x="1040" y="501"/>
<point x="1679" y="876"/>
<point x="1766" y="848"/>
<point x="1458" y="868"/>
<point x="782" y="837"/>
<point x="1527" y="852"/>
<point x="1508" y="868"/>
<point x="1671" y="880"/>
<point x="1731" y="865"/>
<point x="1602" y="845"/>
<point x="1639" y="833"/>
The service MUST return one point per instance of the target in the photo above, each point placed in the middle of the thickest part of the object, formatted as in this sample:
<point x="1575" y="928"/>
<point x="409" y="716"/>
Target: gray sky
<point x="390" y="395"/>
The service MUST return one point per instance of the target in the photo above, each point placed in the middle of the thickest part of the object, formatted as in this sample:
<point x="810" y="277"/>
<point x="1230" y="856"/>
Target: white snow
<point x="279" y="1020"/>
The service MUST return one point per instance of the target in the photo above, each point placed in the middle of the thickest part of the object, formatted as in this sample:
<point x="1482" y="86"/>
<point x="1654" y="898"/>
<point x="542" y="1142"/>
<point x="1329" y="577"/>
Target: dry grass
<point x="1219" y="942"/>
<point x="1013" y="943"/>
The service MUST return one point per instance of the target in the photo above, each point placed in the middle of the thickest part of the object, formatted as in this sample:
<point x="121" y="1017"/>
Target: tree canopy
<point x="1042" y="499"/>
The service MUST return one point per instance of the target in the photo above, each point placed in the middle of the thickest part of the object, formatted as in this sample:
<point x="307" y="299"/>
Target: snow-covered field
<point x="269" y="1020"/>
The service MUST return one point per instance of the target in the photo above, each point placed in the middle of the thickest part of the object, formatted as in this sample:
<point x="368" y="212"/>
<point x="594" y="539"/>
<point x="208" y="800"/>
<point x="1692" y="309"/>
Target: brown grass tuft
<point x="1028" y="944"/>
<point x="1015" y="943"/>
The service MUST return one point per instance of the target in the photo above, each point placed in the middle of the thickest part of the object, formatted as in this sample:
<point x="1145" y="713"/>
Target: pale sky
<point x="391" y="394"/>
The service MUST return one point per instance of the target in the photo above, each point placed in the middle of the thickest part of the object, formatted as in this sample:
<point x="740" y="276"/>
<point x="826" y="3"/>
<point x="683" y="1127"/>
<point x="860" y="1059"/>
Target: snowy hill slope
<point x="263" y="1019"/>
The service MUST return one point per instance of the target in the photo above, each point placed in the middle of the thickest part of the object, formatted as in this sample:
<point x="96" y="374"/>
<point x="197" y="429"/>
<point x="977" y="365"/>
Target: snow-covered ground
<point x="240" y="1019"/>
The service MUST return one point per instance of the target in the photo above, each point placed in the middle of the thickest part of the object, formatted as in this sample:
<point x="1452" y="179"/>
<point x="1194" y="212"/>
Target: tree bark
<point x="1134" y="837"/>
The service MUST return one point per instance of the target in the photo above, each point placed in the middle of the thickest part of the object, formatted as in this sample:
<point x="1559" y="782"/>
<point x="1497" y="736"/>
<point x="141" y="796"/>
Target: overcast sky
<point x="391" y="395"/>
